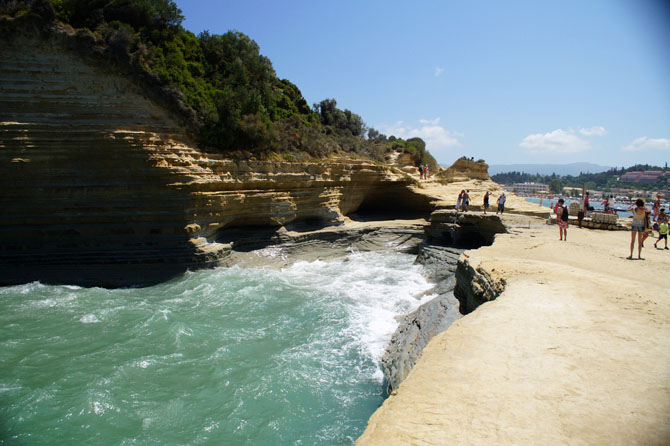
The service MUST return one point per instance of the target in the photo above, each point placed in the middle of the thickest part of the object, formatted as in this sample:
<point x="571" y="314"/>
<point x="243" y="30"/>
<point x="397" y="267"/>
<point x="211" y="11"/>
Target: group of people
<point x="642" y="221"/>
<point x="641" y="228"/>
<point x="424" y="172"/>
<point x="642" y="225"/>
<point x="463" y="201"/>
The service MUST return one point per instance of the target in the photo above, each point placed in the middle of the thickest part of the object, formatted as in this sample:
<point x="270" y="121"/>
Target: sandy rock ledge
<point x="572" y="352"/>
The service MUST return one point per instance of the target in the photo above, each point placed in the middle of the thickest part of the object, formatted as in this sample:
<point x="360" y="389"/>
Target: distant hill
<point x="547" y="169"/>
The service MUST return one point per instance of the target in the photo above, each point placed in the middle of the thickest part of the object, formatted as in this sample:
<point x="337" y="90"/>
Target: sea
<point x="548" y="203"/>
<point x="227" y="356"/>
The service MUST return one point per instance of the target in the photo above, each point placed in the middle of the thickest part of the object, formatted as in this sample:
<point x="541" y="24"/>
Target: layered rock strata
<point x="463" y="229"/>
<point x="101" y="186"/>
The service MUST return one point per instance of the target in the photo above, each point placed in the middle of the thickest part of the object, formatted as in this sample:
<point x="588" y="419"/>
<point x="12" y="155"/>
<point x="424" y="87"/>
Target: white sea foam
<point x="376" y="288"/>
<point x="89" y="319"/>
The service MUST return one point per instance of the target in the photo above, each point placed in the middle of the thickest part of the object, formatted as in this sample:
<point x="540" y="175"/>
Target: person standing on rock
<point x="466" y="200"/>
<point x="459" y="200"/>
<point x="426" y="172"/>
<point x="486" y="202"/>
<point x="501" y="204"/>
<point x="638" y="227"/>
<point x="421" y="171"/>
<point x="562" y="220"/>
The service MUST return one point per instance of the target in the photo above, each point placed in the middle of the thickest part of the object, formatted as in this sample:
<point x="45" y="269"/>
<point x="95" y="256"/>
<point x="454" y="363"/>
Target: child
<point x="662" y="233"/>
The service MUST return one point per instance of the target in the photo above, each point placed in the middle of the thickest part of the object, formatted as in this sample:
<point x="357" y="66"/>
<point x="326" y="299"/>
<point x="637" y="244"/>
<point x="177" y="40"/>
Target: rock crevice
<point x="459" y="287"/>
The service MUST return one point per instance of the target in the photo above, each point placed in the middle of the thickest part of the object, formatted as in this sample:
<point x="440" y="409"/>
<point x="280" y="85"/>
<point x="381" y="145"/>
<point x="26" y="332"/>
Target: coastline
<point x="571" y="352"/>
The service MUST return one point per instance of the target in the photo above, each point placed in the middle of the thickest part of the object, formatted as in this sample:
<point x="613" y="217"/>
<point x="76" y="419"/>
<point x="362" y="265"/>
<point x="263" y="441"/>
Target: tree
<point x="556" y="186"/>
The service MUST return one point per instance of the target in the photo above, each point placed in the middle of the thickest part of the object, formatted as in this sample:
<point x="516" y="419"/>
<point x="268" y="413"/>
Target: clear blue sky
<point x="507" y="81"/>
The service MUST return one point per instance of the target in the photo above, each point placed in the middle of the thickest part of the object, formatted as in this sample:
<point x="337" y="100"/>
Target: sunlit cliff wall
<point x="99" y="185"/>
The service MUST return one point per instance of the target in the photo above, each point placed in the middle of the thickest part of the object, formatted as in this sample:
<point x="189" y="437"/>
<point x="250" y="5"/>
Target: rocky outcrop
<point x="281" y="247"/>
<point x="463" y="229"/>
<point x="465" y="169"/>
<point x="102" y="186"/>
<point x="475" y="285"/>
<point x="413" y="334"/>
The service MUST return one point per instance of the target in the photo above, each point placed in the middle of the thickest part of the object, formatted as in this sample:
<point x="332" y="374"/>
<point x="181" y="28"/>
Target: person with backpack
<point x="562" y="219"/>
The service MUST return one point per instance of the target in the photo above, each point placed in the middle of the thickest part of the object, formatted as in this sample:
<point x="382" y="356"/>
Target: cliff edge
<point x="573" y="351"/>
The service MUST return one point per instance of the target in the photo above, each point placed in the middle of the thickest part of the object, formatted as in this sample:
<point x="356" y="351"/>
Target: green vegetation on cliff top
<point x="228" y="92"/>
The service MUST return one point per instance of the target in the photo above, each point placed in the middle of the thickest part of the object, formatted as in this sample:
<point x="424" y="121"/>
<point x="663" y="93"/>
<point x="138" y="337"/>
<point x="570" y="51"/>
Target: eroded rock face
<point x="463" y="229"/>
<point x="416" y="329"/>
<point x="460" y="288"/>
<point x="475" y="285"/>
<point x="467" y="169"/>
<point x="101" y="186"/>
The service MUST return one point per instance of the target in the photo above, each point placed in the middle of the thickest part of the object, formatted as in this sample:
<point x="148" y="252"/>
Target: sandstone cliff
<point x="100" y="185"/>
<point x="465" y="169"/>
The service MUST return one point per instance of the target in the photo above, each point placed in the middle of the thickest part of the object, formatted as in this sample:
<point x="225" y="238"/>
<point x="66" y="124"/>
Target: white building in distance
<point x="531" y="188"/>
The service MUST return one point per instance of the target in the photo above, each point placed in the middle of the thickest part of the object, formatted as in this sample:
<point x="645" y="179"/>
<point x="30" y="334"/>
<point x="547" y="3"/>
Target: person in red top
<point x="586" y="202"/>
<point x="606" y="203"/>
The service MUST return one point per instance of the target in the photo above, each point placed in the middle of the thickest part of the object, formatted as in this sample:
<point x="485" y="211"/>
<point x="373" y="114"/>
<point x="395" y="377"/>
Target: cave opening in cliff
<point x="472" y="240"/>
<point x="248" y="238"/>
<point x="391" y="203"/>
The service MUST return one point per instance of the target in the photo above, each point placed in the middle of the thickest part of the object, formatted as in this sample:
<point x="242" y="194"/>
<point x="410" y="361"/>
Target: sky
<point x="505" y="81"/>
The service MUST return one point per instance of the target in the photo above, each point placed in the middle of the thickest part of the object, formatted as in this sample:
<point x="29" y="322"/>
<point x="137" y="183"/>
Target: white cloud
<point x="435" y="136"/>
<point x="594" y="131"/>
<point x="438" y="71"/>
<point x="645" y="143"/>
<point x="558" y="142"/>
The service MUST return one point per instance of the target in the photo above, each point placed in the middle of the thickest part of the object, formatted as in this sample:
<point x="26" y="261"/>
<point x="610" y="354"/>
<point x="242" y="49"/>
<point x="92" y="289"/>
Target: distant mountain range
<point x="547" y="169"/>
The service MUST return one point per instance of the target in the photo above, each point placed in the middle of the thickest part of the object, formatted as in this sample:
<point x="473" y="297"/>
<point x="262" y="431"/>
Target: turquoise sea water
<point x="225" y="357"/>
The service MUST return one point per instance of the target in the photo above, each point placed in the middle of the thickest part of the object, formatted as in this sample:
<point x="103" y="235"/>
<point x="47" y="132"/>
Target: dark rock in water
<point x="440" y="263"/>
<point x="427" y="321"/>
<point x="414" y="332"/>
